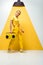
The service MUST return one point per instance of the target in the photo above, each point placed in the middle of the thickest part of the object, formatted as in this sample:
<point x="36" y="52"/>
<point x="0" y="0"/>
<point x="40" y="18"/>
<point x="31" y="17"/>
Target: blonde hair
<point x="18" y="11"/>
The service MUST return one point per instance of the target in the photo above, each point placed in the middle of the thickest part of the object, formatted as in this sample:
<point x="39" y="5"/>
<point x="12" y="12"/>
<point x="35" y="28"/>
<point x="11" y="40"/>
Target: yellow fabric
<point x="15" y="22"/>
<point x="20" y="41"/>
<point x="16" y="29"/>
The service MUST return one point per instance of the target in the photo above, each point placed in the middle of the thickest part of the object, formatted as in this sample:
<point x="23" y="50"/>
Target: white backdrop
<point x="25" y="58"/>
<point x="34" y="9"/>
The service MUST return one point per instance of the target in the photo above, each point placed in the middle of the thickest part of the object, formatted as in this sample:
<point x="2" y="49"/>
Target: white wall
<point x="34" y="8"/>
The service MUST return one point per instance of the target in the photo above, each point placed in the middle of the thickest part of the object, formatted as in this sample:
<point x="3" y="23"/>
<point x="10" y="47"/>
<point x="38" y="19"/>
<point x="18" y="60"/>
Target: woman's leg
<point x="21" y="42"/>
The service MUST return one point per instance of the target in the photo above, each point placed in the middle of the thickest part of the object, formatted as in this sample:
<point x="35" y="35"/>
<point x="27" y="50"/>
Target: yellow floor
<point x="30" y="38"/>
